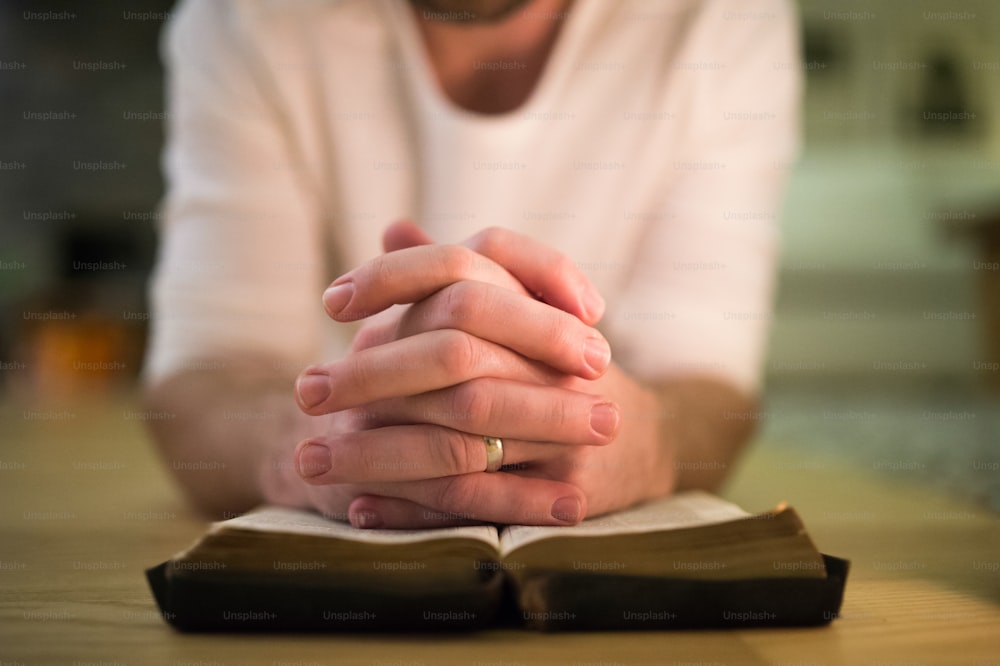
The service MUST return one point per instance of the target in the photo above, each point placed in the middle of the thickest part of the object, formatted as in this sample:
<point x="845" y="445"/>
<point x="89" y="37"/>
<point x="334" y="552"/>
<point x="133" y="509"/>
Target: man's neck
<point x="493" y="68"/>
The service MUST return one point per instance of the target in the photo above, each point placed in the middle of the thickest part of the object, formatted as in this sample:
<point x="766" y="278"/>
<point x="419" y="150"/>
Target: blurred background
<point x="886" y="344"/>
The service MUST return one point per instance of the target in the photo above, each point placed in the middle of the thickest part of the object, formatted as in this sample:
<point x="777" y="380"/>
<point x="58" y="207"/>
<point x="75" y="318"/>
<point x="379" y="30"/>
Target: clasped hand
<point x="491" y="337"/>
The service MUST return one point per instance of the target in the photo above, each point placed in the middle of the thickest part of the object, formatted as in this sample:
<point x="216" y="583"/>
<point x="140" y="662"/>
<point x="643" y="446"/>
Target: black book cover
<point x="550" y="601"/>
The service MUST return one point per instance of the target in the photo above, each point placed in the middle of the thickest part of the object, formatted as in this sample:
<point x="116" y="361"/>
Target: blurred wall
<point x="883" y="271"/>
<point x="81" y="109"/>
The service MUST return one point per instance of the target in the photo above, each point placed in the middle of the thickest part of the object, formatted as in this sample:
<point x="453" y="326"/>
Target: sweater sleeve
<point x="240" y="261"/>
<point x="698" y="298"/>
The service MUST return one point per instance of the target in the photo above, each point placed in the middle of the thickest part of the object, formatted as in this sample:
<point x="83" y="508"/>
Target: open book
<point x="690" y="560"/>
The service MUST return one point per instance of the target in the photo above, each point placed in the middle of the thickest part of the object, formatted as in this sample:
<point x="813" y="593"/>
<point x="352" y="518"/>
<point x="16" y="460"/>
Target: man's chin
<point x="467" y="11"/>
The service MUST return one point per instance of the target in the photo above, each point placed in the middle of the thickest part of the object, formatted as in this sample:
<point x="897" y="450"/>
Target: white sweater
<point x="653" y="151"/>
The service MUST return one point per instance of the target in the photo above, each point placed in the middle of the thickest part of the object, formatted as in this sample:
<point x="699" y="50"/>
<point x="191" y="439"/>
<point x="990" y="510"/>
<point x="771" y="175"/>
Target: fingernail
<point x="566" y="509"/>
<point x="597" y="354"/>
<point x="593" y="305"/>
<point x="367" y="520"/>
<point x="604" y="419"/>
<point x="312" y="387"/>
<point x="337" y="297"/>
<point x="314" y="459"/>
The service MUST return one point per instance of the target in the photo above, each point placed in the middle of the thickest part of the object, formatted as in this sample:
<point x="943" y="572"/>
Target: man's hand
<point x="476" y="353"/>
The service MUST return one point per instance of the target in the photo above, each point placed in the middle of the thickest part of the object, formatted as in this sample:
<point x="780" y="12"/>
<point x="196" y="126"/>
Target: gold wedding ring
<point x="494" y="453"/>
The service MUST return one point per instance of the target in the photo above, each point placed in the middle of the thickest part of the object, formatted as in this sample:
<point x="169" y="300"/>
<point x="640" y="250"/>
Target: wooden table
<point x="85" y="506"/>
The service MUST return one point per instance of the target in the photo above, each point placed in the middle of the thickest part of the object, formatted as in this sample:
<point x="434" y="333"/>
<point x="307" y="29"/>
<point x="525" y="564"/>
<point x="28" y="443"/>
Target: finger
<point x="403" y="234"/>
<point x="493" y="498"/>
<point x="508" y="409"/>
<point x="377" y="330"/>
<point x="546" y="273"/>
<point x="407" y="276"/>
<point x="529" y="327"/>
<point x="410" y="366"/>
<point x="400" y="453"/>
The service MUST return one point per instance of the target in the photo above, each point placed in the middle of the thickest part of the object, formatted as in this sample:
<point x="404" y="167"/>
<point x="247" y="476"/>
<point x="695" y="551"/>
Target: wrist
<point x="660" y="418"/>
<point x="704" y="428"/>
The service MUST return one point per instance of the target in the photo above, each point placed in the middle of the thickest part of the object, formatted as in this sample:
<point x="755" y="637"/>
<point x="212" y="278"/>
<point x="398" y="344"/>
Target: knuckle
<point x="456" y="353"/>
<point x="457" y="262"/>
<point x="368" y="463"/>
<point x="470" y="403"/>
<point x="355" y="374"/>
<point x="558" y="415"/>
<point x="564" y="337"/>
<point x="379" y="273"/>
<point x="459" y="303"/>
<point x="452" y="450"/>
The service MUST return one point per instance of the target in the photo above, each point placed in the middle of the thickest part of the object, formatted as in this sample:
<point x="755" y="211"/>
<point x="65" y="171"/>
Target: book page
<point x="687" y="509"/>
<point x="281" y="520"/>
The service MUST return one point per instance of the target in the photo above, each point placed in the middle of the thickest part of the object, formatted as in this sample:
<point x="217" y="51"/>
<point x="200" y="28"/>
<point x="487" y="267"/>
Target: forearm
<point x="225" y="431"/>
<point x="708" y="423"/>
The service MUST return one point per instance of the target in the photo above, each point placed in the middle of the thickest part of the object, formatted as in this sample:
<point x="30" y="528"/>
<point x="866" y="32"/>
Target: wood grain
<point x="85" y="506"/>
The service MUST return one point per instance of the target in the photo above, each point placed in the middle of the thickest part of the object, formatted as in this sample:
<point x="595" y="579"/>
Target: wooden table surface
<point x="85" y="507"/>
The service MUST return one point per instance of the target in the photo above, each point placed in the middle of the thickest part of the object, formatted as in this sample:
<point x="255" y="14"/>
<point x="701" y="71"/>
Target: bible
<point x="691" y="560"/>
